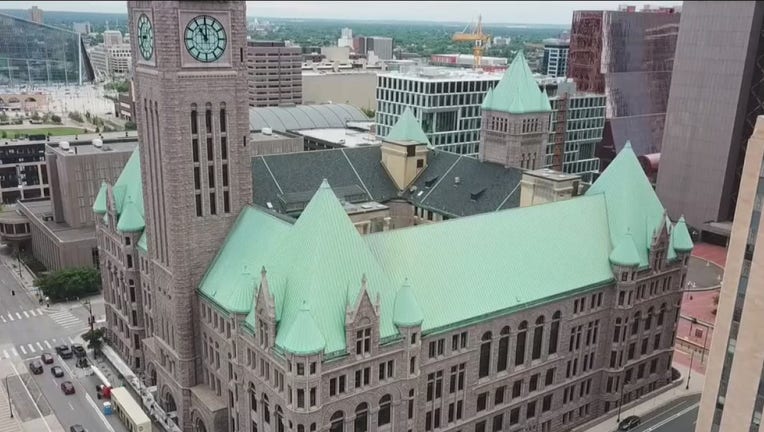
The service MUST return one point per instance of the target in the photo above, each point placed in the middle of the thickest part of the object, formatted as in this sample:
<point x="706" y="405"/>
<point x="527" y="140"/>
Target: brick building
<point x="245" y="320"/>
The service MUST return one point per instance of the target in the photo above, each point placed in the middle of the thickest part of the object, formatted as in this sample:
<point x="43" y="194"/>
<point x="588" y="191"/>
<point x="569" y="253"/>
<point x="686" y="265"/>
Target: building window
<point x="501" y="363"/>
<point x="554" y="332"/>
<point x="337" y="422"/>
<point x="361" y="417"/>
<point x="383" y="418"/>
<point x="538" y="336"/>
<point x="194" y="122"/>
<point x="520" y="346"/>
<point x="482" y="400"/>
<point x="222" y="120"/>
<point x="363" y="341"/>
<point x="485" y="355"/>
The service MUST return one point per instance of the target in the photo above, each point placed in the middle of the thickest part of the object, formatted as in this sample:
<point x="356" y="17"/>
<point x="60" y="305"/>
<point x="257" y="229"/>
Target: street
<point x="678" y="416"/>
<point x="28" y="329"/>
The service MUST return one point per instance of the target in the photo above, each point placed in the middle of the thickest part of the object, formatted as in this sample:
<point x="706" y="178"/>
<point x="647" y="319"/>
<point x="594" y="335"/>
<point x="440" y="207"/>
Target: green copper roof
<point x="233" y="275"/>
<point x="406" y="311"/>
<point x="632" y="205"/>
<point x="625" y="253"/>
<point x="680" y="237"/>
<point x="301" y="336"/>
<point x="517" y="92"/>
<point x="142" y="245"/>
<point x="99" y="205"/>
<point x="407" y="128"/>
<point x="131" y="219"/>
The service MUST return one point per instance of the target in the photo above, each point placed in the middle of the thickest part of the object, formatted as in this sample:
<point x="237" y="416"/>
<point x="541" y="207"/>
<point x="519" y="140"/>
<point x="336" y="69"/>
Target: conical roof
<point x="680" y="237"/>
<point x="625" y="252"/>
<point x="131" y="219"/>
<point x="407" y="128"/>
<point x="406" y="311"/>
<point x="302" y="336"/>
<point x="99" y="205"/>
<point x="518" y="92"/>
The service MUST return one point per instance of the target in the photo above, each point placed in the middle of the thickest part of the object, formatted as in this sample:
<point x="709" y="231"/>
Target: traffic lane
<point x="10" y="286"/>
<point x="684" y="421"/>
<point x="70" y="409"/>
<point x="666" y="417"/>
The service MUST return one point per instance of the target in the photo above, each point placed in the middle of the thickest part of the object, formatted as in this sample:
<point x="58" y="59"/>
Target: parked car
<point x="629" y="423"/>
<point x="36" y="367"/>
<point x="67" y="387"/>
<point x="77" y="428"/>
<point x="64" y="351"/>
<point x="79" y="351"/>
<point x="46" y="358"/>
<point x="57" y="371"/>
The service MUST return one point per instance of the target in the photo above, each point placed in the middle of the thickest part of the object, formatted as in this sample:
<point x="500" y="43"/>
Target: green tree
<point x="3" y="134"/>
<point x="76" y="116"/>
<point x="370" y="113"/>
<point x="35" y="116"/>
<point x="55" y="119"/>
<point x="94" y="338"/>
<point x="3" y="117"/>
<point x="130" y="125"/>
<point x="69" y="283"/>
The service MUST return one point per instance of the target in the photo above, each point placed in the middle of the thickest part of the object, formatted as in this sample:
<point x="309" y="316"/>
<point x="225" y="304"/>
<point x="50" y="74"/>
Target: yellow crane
<point x="476" y="35"/>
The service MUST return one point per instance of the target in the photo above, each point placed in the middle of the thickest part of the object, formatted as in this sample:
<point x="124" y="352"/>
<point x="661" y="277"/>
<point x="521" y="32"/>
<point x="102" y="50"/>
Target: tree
<point x="370" y="113"/>
<point x="69" y="283"/>
<point x="94" y="338"/>
<point x="76" y="116"/>
<point x="55" y="119"/>
<point x="3" y="117"/>
<point x="3" y="134"/>
<point x="130" y="125"/>
<point x="35" y="116"/>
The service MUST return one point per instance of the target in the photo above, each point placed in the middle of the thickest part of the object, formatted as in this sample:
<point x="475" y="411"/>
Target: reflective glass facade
<point x="37" y="54"/>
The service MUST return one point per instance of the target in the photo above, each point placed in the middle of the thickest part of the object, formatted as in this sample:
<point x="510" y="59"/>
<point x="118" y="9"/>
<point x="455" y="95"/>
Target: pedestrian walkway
<point x="65" y="319"/>
<point x="7" y="424"/>
<point x="17" y="316"/>
<point x="33" y="349"/>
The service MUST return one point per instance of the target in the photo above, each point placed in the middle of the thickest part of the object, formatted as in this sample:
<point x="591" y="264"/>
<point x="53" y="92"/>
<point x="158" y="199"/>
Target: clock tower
<point x="192" y="115"/>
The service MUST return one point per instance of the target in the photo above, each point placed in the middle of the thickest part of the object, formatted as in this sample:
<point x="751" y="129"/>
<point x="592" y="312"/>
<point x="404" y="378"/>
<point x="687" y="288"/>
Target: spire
<point x="625" y="252"/>
<point x="130" y="220"/>
<point x="407" y="128"/>
<point x="518" y="92"/>
<point x="406" y="311"/>
<point x="681" y="240"/>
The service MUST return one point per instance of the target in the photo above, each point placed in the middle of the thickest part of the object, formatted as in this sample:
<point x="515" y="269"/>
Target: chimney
<point x="404" y="160"/>
<point x="545" y="185"/>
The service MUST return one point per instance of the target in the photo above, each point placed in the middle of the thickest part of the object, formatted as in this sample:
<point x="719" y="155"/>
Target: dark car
<point x="64" y="351"/>
<point x="78" y="351"/>
<point x="57" y="371"/>
<point x="629" y="423"/>
<point x="46" y="358"/>
<point x="77" y="428"/>
<point x="67" y="387"/>
<point x="36" y="367"/>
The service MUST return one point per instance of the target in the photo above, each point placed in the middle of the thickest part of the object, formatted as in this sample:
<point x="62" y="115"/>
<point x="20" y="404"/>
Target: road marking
<point x="39" y="311"/>
<point x="23" y="351"/>
<point x="26" y="314"/>
<point x="15" y="353"/>
<point x="100" y="414"/>
<point x="31" y="348"/>
<point x="672" y="418"/>
<point x="47" y="344"/>
<point x="18" y="315"/>
<point x="3" y="318"/>
<point x="32" y="313"/>
<point x="71" y="340"/>
<point x="70" y="406"/>
<point x="47" y="426"/>
<point x="10" y="316"/>
<point x="39" y="345"/>
<point x="5" y="353"/>
<point x="54" y="340"/>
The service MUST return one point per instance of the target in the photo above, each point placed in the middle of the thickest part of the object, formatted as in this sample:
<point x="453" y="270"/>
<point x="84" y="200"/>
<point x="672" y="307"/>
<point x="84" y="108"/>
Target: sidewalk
<point x="647" y="404"/>
<point x="7" y="424"/>
<point x="33" y="423"/>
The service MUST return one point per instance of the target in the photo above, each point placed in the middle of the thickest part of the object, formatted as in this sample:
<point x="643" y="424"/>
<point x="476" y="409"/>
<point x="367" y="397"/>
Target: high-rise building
<point x="112" y="37"/>
<point x="733" y="394"/>
<point x="46" y="55"/>
<point x="82" y="28"/>
<point x="111" y="61"/>
<point x="716" y="95"/>
<point x="35" y="15"/>
<point x="274" y="72"/>
<point x="247" y="320"/>
<point x="447" y="102"/>
<point x="555" y="62"/>
<point x="346" y="38"/>
<point x="381" y="46"/>
<point x="628" y="56"/>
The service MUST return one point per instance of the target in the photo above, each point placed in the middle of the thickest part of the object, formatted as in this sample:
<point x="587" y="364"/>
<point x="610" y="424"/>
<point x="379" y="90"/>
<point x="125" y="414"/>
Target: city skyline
<point x="526" y="12"/>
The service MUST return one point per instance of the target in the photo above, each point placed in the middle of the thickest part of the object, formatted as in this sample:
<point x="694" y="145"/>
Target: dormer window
<point x="363" y="341"/>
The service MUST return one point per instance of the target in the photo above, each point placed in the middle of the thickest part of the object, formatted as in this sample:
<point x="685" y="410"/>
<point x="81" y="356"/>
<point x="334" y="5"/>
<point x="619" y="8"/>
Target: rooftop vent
<point x="64" y="145"/>
<point x="97" y="143"/>
<point x="267" y="131"/>
<point x="457" y="180"/>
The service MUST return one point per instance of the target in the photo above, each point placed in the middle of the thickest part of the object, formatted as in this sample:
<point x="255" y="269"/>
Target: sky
<point x="516" y="12"/>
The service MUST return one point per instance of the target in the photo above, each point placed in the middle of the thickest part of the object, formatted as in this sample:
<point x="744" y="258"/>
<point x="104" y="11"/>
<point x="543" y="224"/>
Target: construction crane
<point x="476" y="35"/>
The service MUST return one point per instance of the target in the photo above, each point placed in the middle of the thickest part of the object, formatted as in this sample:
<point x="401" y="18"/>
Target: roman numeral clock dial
<point x="205" y="38"/>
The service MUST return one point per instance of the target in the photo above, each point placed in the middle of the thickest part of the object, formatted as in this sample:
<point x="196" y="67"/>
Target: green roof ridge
<point x="129" y="184"/>
<point x="99" y="205"/>
<point x="517" y="91"/>
<point x="302" y="335"/>
<point x="143" y="242"/>
<point x="406" y="311"/>
<point x="625" y="252"/>
<point x="407" y="128"/>
<point x="680" y="237"/>
<point x="131" y="219"/>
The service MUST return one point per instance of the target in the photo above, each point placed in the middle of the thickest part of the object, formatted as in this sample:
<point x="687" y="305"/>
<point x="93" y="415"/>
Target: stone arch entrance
<point x="197" y="423"/>
<point x="169" y="405"/>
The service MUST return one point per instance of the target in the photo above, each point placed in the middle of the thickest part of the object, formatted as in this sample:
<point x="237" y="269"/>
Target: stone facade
<point x="514" y="140"/>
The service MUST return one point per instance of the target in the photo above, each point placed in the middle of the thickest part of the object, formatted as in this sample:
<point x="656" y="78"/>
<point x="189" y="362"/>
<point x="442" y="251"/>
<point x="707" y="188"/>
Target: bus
<point x="128" y="411"/>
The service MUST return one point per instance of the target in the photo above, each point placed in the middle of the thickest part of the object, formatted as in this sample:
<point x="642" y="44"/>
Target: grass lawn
<point x="54" y="131"/>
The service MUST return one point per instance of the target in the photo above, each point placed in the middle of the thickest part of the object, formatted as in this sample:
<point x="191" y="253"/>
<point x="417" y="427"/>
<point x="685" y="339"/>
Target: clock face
<point x="205" y="38"/>
<point x="145" y="37"/>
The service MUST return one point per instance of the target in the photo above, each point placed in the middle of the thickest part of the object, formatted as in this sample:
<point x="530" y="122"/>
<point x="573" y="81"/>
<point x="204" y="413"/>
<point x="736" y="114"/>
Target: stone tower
<point x="192" y="115"/>
<point x="515" y="120"/>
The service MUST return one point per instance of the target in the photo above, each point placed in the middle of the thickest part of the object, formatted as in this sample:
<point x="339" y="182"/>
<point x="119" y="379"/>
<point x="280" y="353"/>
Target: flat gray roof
<point x="89" y="148"/>
<point x="63" y="232"/>
<point x="304" y="117"/>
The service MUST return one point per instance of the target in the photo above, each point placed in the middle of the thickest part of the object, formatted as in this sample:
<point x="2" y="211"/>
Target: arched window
<point x="661" y="314"/>
<point x="635" y="323"/>
<point x="362" y="417"/>
<point x="279" y="419"/>
<point x="252" y="397"/>
<point x="649" y="318"/>
<point x="538" y="337"/>
<point x="384" y="410"/>
<point x="300" y="428"/>
<point x="501" y="363"/>
<point x="266" y="412"/>
<point x="312" y="427"/>
<point x="337" y="422"/>
<point x="554" y="332"/>
<point x="485" y="355"/>
<point x="522" y="334"/>
<point x="199" y="426"/>
<point x="617" y="330"/>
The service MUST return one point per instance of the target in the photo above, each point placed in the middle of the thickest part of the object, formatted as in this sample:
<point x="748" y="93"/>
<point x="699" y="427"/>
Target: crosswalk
<point x="63" y="318"/>
<point x="26" y="350"/>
